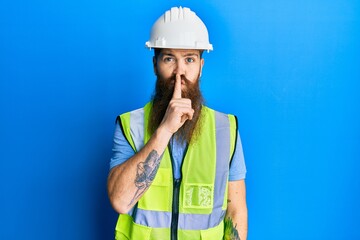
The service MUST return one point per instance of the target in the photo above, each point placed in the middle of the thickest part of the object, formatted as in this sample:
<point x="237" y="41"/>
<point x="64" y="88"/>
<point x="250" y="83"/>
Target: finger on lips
<point x="177" y="87"/>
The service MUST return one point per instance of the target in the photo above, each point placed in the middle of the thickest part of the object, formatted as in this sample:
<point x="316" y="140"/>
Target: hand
<point x="179" y="109"/>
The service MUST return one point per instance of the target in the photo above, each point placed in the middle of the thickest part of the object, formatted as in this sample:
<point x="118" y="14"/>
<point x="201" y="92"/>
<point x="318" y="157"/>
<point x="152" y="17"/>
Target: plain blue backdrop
<point x="289" y="70"/>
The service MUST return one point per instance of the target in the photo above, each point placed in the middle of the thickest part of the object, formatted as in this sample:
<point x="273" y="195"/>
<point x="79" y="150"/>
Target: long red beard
<point x="163" y="93"/>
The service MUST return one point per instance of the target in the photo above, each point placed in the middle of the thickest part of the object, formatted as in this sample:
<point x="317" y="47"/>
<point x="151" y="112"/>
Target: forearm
<point x="129" y="181"/>
<point x="237" y="225"/>
<point x="236" y="219"/>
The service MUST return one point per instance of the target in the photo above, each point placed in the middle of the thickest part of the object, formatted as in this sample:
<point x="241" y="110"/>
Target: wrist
<point x="163" y="132"/>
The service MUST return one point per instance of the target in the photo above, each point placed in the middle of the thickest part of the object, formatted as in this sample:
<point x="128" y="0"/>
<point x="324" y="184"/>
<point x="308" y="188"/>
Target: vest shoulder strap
<point x="233" y="123"/>
<point x="132" y="126"/>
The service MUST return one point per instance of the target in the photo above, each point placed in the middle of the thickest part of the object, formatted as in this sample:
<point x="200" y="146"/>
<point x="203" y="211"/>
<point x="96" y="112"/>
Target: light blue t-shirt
<point x="122" y="151"/>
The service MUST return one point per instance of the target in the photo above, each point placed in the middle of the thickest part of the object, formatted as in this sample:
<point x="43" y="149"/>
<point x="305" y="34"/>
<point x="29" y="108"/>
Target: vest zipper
<point x="175" y="209"/>
<point x="176" y="196"/>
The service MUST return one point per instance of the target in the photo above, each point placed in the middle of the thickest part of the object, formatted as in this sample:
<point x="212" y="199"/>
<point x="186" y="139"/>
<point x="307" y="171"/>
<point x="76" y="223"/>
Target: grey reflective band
<point x="137" y="127"/>
<point x="222" y="157"/>
<point x="160" y="219"/>
<point x="201" y="221"/>
<point x="155" y="219"/>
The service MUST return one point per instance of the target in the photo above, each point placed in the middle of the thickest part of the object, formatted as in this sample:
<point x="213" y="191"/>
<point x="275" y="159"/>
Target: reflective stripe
<point x="201" y="221"/>
<point x="137" y="127"/>
<point x="222" y="158"/>
<point x="155" y="219"/>
<point x="158" y="219"/>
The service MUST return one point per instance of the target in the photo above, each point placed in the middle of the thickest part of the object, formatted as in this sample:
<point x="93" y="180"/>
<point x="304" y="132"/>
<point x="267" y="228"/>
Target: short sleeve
<point x="122" y="150"/>
<point x="237" y="166"/>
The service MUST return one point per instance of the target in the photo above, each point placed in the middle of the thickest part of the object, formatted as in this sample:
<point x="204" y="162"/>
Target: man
<point x="178" y="171"/>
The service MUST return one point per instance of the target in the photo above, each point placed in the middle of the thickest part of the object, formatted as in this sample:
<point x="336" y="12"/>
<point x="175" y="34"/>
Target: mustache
<point x="172" y="79"/>
<point x="164" y="87"/>
<point x="170" y="82"/>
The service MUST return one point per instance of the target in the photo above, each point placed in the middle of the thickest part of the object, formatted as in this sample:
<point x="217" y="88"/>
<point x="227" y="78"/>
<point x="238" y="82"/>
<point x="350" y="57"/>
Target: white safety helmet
<point x="179" y="28"/>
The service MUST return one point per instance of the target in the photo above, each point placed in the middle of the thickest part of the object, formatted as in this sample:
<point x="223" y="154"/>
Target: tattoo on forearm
<point x="230" y="231"/>
<point x="145" y="174"/>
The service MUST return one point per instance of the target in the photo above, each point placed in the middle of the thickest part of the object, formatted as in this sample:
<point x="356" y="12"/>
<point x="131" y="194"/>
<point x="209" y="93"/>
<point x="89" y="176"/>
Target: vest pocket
<point x="123" y="227"/>
<point x="198" y="196"/>
<point x="215" y="233"/>
<point x="140" y="232"/>
<point x="158" y="196"/>
<point x="126" y="229"/>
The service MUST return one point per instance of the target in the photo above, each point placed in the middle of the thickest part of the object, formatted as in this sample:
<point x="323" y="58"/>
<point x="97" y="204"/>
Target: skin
<point x="237" y="209"/>
<point x="130" y="180"/>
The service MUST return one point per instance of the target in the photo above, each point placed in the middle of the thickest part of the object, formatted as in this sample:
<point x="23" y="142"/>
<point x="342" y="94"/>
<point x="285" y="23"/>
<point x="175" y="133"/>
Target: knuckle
<point x="172" y="104"/>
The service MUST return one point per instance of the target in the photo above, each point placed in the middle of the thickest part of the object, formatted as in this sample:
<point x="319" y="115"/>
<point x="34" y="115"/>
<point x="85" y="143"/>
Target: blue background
<point x="289" y="70"/>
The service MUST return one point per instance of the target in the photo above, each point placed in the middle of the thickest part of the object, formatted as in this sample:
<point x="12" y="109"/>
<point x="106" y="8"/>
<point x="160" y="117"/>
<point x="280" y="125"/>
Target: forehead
<point x="180" y="52"/>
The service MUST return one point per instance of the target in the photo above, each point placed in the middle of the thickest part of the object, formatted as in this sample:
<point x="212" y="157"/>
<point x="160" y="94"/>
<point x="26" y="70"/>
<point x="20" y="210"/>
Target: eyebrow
<point x="185" y="55"/>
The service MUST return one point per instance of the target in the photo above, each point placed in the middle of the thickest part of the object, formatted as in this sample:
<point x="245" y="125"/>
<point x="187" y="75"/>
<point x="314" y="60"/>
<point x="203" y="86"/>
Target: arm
<point x="130" y="180"/>
<point x="236" y="215"/>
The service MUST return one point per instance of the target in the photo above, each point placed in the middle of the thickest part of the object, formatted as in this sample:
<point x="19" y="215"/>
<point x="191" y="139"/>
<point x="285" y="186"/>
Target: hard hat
<point x="179" y="28"/>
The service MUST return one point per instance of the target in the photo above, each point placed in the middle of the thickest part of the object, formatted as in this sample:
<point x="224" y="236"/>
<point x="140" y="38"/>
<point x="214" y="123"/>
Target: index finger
<point x="177" y="87"/>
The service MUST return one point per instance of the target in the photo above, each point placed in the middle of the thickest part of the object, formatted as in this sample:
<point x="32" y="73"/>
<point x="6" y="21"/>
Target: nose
<point x="179" y="68"/>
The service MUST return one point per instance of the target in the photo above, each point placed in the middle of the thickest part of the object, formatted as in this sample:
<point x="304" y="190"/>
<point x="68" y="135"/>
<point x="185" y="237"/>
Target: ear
<point x="155" y="65"/>
<point x="202" y="61"/>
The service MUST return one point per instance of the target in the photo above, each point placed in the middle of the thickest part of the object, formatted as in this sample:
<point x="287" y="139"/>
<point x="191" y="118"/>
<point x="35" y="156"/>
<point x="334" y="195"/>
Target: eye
<point x="168" y="59"/>
<point x="190" y="60"/>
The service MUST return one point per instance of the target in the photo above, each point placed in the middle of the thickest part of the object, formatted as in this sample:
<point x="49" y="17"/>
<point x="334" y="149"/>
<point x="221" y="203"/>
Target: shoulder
<point x="221" y="115"/>
<point x="206" y="108"/>
<point x="136" y="112"/>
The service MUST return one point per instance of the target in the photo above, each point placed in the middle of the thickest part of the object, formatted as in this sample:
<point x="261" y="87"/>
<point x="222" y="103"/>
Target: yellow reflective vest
<point x="194" y="206"/>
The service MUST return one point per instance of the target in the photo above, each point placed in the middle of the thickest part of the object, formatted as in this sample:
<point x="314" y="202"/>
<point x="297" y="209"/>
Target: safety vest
<point x="193" y="207"/>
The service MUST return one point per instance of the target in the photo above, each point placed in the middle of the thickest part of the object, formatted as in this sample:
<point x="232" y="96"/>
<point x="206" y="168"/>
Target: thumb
<point x="177" y="87"/>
